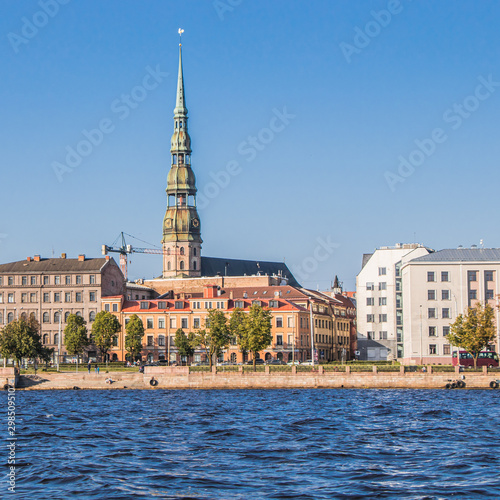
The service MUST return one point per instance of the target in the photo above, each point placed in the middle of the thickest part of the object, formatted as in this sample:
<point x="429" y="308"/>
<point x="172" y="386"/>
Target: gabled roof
<point x="55" y="266"/>
<point x="461" y="255"/>
<point x="211" y="266"/>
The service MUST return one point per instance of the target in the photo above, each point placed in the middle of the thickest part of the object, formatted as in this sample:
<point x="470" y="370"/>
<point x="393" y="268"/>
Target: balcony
<point x="283" y="346"/>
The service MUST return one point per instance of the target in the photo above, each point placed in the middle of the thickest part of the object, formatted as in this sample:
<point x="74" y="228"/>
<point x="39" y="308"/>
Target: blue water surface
<point x="256" y="444"/>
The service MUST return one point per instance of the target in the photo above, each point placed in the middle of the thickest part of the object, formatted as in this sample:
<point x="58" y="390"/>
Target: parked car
<point x="259" y="361"/>
<point x="309" y="362"/>
<point x="275" y="362"/>
<point x="201" y="363"/>
<point x="296" y="362"/>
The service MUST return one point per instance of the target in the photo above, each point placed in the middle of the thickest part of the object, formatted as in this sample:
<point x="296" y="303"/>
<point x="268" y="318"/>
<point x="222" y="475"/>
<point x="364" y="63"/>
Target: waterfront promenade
<point x="183" y="378"/>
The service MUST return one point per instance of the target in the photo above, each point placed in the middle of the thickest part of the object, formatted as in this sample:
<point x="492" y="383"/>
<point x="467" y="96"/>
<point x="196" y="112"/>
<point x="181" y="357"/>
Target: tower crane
<point x="126" y="249"/>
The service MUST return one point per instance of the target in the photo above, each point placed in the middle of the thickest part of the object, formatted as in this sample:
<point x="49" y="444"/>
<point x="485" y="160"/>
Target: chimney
<point x="37" y="258"/>
<point x="231" y="294"/>
<point x="63" y="256"/>
<point x="209" y="291"/>
<point x="107" y="257"/>
<point x="29" y="259"/>
<point x="81" y="258"/>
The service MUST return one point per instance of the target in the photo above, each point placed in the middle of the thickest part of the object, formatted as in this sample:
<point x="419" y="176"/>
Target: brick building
<point x="52" y="289"/>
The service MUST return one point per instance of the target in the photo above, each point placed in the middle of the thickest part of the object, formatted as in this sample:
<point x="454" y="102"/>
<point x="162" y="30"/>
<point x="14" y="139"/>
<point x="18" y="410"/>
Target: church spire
<point x="180" y="103"/>
<point x="181" y="224"/>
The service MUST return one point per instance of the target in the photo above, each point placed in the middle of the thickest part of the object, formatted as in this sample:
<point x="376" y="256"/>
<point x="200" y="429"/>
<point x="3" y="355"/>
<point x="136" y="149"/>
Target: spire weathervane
<point x="181" y="31"/>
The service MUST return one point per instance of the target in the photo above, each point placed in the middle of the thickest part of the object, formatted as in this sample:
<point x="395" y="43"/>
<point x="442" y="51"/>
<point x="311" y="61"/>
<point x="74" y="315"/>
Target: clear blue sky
<point x="359" y="103"/>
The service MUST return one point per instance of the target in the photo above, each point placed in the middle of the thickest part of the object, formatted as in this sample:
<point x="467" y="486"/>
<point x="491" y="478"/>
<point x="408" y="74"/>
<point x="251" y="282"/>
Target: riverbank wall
<point x="181" y="378"/>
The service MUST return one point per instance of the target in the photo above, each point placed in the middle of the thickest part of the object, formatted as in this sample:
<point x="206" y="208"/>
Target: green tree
<point x="216" y="335"/>
<point x="134" y="332"/>
<point x="21" y="339"/>
<point x="184" y="343"/>
<point x="75" y="336"/>
<point x="473" y="331"/>
<point x="254" y="331"/>
<point x="104" y="332"/>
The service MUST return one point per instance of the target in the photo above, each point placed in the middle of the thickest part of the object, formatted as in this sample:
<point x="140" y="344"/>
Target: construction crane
<point x="126" y="249"/>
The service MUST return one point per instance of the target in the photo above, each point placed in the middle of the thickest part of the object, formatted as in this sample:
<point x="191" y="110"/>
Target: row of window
<point x="381" y="335"/>
<point x="432" y="313"/>
<point x="46" y="316"/>
<point x="46" y="280"/>
<point x="381" y="286"/>
<point x="433" y="331"/>
<point x="433" y="349"/>
<point x="471" y="276"/>
<point x="382" y="318"/>
<point x="370" y="301"/>
<point x="48" y="297"/>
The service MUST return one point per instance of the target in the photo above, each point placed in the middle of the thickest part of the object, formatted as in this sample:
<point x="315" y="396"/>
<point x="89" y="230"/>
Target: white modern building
<point x="379" y="295"/>
<point x="439" y="286"/>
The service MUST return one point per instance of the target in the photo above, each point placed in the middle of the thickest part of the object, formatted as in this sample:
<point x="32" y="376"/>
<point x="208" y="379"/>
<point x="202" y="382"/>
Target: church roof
<point x="212" y="266"/>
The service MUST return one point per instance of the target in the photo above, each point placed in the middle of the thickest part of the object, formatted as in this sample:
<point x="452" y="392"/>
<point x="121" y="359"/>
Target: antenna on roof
<point x="481" y="243"/>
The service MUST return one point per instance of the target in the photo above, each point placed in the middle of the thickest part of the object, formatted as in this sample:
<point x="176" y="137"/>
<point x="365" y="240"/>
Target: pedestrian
<point x="89" y="366"/>
<point x="96" y="368"/>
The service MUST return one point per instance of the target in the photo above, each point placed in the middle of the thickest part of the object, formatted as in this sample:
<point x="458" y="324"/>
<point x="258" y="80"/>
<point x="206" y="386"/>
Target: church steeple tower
<point x="181" y="225"/>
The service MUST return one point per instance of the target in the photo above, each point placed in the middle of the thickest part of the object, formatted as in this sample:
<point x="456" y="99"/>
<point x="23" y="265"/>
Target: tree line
<point x="21" y="339"/>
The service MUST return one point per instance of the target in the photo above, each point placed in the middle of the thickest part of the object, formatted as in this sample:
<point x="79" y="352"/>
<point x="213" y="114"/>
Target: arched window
<point x="290" y="356"/>
<point x="24" y="316"/>
<point x="56" y="338"/>
<point x="280" y="356"/>
<point x="182" y="251"/>
<point x="233" y="357"/>
<point x="1" y="318"/>
<point x="66" y="316"/>
<point x="45" y="339"/>
<point x="10" y="317"/>
<point x="78" y="313"/>
<point x="91" y="316"/>
<point x="168" y="266"/>
<point x="181" y="265"/>
<point x="194" y="265"/>
<point x="268" y="356"/>
<point x="56" y="317"/>
<point x="46" y="317"/>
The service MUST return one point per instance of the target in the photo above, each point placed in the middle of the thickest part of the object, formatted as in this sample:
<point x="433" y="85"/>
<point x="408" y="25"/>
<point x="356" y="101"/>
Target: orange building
<point x="291" y="308"/>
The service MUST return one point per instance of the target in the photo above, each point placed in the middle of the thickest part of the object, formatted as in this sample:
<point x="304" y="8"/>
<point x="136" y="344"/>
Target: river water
<point x="256" y="444"/>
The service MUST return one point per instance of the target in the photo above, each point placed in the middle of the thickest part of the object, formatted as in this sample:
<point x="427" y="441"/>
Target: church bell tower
<point x="181" y="226"/>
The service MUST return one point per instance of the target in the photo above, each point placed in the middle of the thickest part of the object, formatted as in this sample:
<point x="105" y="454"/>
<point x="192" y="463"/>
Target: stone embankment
<point x="181" y="378"/>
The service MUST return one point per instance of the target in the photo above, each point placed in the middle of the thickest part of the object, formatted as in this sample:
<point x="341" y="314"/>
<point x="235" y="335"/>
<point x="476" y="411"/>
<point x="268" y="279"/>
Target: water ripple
<point x="307" y="444"/>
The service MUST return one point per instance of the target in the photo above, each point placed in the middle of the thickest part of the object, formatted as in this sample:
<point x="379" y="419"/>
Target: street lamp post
<point x="59" y="339"/>
<point x="421" y="353"/>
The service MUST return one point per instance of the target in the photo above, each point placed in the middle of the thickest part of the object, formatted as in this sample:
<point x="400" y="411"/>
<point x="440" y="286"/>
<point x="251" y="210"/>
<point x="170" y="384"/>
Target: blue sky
<point x="362" y="84"/>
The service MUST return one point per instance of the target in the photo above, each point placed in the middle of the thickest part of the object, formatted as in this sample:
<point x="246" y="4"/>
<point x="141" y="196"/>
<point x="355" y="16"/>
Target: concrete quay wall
<point x="182" y="379"/>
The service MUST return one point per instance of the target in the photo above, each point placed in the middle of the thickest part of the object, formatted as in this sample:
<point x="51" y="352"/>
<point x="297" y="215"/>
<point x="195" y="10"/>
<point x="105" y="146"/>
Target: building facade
<point x="380" y="301"/>
<point x="52" y="289"/>
<point x="439" y="286"/>
<point x="303" y="322"/>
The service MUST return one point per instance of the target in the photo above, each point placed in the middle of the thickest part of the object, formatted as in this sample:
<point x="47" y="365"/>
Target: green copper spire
<point x="180" y="103"/>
